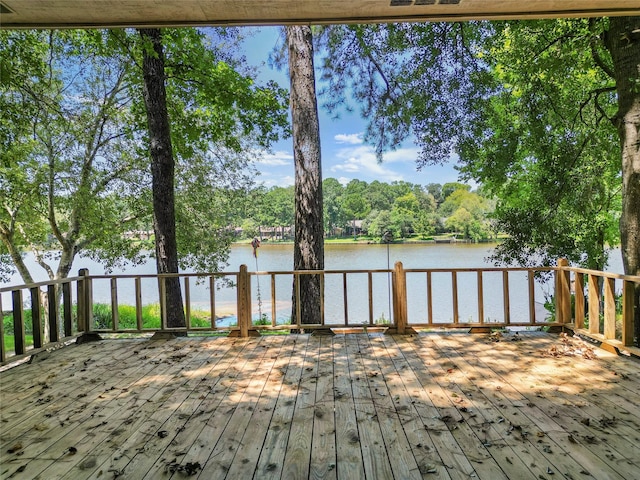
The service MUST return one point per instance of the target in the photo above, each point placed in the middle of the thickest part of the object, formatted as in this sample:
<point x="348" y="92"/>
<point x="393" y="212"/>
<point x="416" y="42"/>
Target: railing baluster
<point x="429" y="300"/>
<point x="67" y="312"/>
<point x="370" y="290"/>
<point x="563" y="292"/>
<point x="532" y="297"/>
<point x="480" y="297"/>
<point x="505" y="297"/>
<point x="36" y="314"/>
<point x="628" y="289"/>
<point x="18" y="323"/>
<point x="454" y="292"/>
<point x="609" y="309"/>
<point x="163" y="302"/>
<point x="579" y="300"/>
<point x="594" y="305"/>
<point x="298" y="306"/>
<point x="139" y="323"/>
<point x="212" y="300"/>
<point x="344" y="298"/>
<point x="187" y="302"/>
<point x="3" y="354"/>
<point x="273" y="300"/>
<point x="322" y="279"/>
<point x="115" y="314"/>
<point x="54" y="313"/>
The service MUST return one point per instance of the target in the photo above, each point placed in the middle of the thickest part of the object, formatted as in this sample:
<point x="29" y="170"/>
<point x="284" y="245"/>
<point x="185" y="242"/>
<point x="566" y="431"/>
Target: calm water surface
<point x="353" y="257"/>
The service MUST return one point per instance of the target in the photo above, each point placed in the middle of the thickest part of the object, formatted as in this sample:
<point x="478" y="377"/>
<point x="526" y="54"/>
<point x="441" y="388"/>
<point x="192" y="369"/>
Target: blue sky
<point x="344" y="155"/>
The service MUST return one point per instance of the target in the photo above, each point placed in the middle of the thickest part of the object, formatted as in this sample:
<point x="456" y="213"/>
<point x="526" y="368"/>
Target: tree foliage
<point x="525" y="105"/>
<point x="75" y="169"/>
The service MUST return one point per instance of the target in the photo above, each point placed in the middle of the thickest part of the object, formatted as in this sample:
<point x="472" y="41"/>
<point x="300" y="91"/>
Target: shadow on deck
<point x="433" y="405"/>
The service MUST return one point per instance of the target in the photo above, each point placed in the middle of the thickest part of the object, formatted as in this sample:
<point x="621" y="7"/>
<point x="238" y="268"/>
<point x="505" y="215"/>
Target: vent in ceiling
<point x="406" y="3"/>
<point x="4" y="9"/>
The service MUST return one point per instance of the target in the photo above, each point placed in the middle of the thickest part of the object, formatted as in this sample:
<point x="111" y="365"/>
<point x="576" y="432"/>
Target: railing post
<point x="399" y="294"/>
<point x="85" y="301"/>
<point x="244" y="301"/>
<point x="628" y="290"/>
<point x="563" y="293"/>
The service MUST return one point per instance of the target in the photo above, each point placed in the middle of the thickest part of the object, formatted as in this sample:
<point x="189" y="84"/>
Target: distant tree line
<point x="405" y="209"/>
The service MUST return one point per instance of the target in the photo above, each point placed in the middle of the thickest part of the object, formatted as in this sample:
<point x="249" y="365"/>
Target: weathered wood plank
<point x="349" y="456"/>
<point x="271" y="459"/>
<point x="80" y="422"/>
<point x="390" y="407"/>
<point x="450" y="418"/>
<point x="254" y="436"/>
<point x="544" y="436"/>
<point x="436" y="405"/>
<point x="369" y="434"/>
<point x="323" y="444"/>
<point x="575" y="413"/>
<point x="298" y="455"/>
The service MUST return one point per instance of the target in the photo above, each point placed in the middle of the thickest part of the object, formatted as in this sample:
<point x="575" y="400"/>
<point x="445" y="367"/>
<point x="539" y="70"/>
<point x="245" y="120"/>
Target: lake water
<point x="352" y="257"/>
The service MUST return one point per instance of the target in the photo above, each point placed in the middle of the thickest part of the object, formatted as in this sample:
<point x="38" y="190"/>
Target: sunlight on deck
<point x="433" y="405"/>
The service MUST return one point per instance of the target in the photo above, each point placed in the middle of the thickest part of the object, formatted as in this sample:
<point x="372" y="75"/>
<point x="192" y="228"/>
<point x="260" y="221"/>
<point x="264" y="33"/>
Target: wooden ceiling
<point x="124" y="13"/>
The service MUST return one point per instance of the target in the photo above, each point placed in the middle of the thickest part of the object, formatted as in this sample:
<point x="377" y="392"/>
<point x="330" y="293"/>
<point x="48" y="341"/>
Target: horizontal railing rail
<point x="397" y="299"/>
<point x="597" y="304"/>
<point x="52" y="317"/>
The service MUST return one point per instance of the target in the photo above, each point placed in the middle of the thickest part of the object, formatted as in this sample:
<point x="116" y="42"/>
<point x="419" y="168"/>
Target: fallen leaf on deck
<point x="571" y="347"/>
<point x="16" y="448"/>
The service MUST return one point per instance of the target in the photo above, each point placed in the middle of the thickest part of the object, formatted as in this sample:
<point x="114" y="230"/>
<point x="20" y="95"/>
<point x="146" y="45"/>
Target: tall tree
<point x="162" y="172"/>
<point x="75" y="176"/>
<point x="66" y="131"/>
<point x="622" y="40"/>
<point x="308" y="251"/>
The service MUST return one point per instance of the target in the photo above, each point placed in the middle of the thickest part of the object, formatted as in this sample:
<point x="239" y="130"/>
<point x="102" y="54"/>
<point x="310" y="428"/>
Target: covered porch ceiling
<point x="129" y="13"/>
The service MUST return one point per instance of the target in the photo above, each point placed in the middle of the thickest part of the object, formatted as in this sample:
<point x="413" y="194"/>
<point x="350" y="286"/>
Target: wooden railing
<point x="601" y="313"/>
<point x="410" y="296"/>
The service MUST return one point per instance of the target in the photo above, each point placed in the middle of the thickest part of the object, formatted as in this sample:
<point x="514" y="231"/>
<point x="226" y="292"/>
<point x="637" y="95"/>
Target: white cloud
<point x="351" y="138"/>
<point x="361" y="160"/>
<point x="272" y="181"/>
<point x="276" y="159"/>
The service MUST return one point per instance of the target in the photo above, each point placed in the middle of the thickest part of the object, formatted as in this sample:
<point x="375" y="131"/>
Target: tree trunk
<point x="162" y="171"/>
<point x="623" y="42"/>
<point x="308" y="253"/>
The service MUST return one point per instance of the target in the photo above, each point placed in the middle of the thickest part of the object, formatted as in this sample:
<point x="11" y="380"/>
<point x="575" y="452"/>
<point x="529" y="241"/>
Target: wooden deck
<point x="435" y="405"/>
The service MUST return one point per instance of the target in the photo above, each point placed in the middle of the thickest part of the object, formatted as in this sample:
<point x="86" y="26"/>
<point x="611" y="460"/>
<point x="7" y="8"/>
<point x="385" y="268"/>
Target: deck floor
<point x="433" y="405"/>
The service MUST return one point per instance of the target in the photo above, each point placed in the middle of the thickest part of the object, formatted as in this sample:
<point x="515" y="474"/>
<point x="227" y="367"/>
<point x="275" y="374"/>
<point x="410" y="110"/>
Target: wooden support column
<point x="399" y="294"/>
<point x="244" y="304"/>
<point x="85" y="301"/>
<point x="85" y="308"/>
